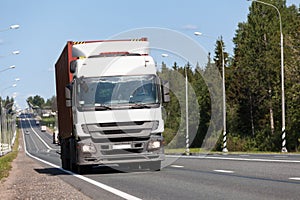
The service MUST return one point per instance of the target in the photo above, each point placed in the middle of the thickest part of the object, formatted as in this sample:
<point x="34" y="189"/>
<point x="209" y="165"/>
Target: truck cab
<point x="115" y="97"/>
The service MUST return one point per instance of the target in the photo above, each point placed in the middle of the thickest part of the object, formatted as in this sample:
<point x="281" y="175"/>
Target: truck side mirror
<point x="68" y="96"/>
<point x="165" y="91"/>
<point x="73" y="66"/>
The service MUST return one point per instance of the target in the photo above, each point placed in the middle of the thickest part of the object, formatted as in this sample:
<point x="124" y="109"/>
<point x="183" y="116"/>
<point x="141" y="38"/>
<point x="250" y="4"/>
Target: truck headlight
<point x="154" y="145"/>
<point x="88" y="148"/>
<point x="155" y="125"/>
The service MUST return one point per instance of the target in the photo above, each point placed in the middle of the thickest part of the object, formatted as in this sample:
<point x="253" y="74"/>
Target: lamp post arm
<point x="268" y="4"/>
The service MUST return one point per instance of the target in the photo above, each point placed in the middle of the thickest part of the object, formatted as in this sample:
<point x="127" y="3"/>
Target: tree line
<point x="253" y="84"/>
<point x="39" y="102"/>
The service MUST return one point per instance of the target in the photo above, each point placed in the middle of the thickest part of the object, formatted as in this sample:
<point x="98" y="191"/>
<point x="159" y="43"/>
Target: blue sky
<point x="45" y="26"/>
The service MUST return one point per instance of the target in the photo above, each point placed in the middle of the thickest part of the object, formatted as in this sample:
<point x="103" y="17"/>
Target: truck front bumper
<point x="91" y="153"/>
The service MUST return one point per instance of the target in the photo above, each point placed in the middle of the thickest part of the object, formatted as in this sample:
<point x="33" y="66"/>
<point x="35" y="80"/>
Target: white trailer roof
<point x="92" y="48"/>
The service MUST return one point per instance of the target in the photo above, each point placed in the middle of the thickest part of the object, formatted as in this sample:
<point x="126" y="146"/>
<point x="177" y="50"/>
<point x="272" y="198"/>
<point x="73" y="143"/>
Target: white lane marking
<point x="224" y="171"/>
<point x="177" y="166"/>
<point x="295" y="178"/>
<point x="91" y="181"/>
<point x="40" y="137"/>
<point x="238" y="159"/>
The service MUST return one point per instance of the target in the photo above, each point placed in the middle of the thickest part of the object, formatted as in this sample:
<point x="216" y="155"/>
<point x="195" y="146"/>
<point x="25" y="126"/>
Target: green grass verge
<point x="6" y="160"/>
<point x="182" y="151"/>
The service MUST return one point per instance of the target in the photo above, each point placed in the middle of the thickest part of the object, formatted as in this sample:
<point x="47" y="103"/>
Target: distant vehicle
<point x="43" y="128"/>
<point x="109" y="104"/>
<point x="37" y="122"/>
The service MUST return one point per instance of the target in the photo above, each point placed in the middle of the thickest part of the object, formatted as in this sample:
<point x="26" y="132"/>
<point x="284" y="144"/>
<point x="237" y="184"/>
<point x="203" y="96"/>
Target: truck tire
<point x="65" y="163"/>
<point x="83" y="169"/>
<point x="65" y="152"/>
<point x="73" y="155"/>
<point x="73" y="167"/>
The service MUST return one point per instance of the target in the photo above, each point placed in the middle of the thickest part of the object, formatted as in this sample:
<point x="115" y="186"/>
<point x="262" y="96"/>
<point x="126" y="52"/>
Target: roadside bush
<point x="168" y="135"/>
<point x="267" y="142"/>
<point x="238" y="143"/>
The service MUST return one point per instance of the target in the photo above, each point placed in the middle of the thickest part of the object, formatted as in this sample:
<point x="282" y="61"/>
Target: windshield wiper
<point x="102" y="107"/>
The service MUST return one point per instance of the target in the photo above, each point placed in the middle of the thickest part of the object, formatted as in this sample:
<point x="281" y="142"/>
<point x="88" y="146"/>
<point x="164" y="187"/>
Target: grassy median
<point x="6" y="160"/>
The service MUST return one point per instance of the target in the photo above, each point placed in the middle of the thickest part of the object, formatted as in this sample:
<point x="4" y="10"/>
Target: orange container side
<point x="63" y="78"/>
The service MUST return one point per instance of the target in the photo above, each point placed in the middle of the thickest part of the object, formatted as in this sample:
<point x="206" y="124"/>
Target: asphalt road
<point x="264" y="176"/>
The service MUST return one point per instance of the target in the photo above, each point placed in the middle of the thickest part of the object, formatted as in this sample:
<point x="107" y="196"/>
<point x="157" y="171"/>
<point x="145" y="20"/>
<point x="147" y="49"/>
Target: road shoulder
<point x="29" y="179"/>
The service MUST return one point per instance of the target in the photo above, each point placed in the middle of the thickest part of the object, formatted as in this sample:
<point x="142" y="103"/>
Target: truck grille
<point x="120" y="129"/>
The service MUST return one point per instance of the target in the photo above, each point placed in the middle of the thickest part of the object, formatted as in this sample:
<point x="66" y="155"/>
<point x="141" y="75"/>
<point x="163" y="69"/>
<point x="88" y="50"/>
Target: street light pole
<point x="10" y="67"/>
<point x="225" y="150"/>
<point x="187" y="137"/>
<point x="15" y="26"/>
<point x="12" y="86"/>
<point x="283" y="136"/>
<point x="12" y="53"/>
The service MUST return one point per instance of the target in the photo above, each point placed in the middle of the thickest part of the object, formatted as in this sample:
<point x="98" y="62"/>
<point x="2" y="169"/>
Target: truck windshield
<point x="117" y="91"/>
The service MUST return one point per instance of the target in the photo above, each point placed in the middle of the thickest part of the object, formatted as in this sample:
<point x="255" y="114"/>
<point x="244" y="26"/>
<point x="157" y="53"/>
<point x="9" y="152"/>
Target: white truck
<point x="109" y="105"/>
<point x="43" y="128"/>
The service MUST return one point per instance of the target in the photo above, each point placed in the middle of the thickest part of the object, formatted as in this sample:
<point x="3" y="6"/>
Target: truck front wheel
<point x="83" y="169"/>
<point x="65" y="163"/>
<point x="65" y="158"/>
